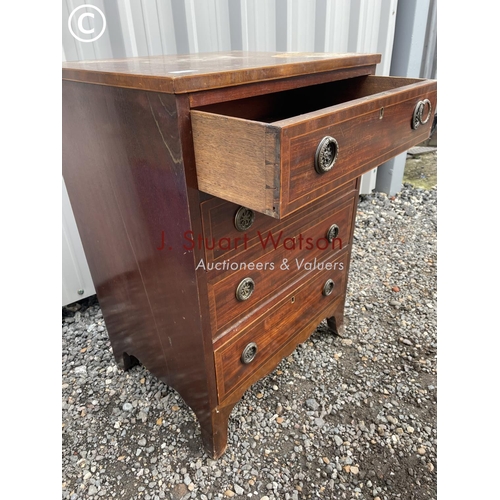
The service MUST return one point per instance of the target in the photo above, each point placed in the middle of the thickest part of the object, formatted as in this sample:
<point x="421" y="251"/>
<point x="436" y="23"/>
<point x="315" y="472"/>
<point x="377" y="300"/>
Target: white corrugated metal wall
<point x="154" y="27"/>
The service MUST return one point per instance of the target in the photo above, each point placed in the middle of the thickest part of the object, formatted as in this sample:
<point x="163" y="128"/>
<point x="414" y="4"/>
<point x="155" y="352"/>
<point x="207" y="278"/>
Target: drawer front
<point x="275" y="269"/>
<point x="273" y="165"/>
<point x="239" y="360"/>
<point x="367" y="135"/>
<point x="224" y="242"/>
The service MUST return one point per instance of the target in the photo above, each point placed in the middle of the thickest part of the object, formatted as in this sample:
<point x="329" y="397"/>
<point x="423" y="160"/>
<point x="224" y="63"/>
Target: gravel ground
<point x="339" y="418"/>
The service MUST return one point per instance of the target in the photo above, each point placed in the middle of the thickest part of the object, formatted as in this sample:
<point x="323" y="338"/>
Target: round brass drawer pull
<point x="425" y="103"/>
<point x="332" y="233"/>
<point x="415" y="120"/>
<point x="328" y="287"/>
<point x="418" y="113"/>
<point x="244" y="218"/>
<point x="245" y="289"/>
<point x="326" y="154"/>
<point x="249" y="353"/>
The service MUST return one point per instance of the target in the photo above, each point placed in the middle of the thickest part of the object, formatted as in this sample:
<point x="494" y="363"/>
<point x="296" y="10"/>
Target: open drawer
<point x="277" y="152"/>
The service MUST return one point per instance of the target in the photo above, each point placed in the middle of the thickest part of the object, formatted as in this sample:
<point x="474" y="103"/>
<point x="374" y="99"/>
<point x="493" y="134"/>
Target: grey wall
<point x="414" y="56"/>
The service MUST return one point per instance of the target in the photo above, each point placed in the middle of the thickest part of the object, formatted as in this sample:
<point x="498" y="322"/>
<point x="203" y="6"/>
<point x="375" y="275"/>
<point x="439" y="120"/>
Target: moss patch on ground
<point x="421" y="170"/>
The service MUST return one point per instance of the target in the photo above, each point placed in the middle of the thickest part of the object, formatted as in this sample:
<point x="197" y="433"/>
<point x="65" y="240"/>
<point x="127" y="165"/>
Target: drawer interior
<point x="278" y="106"/>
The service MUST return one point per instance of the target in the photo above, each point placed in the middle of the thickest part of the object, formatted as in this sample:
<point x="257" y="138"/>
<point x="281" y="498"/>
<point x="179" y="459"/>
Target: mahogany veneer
<point x="160" y="153"/>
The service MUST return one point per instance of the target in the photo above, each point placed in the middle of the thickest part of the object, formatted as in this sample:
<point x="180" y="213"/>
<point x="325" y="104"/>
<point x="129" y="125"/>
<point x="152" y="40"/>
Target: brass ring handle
<point x="249" y="353"/>
<point x="245" y="289"/>
<point x="425" y="103"/>
<point x="326" y="154"/>
<point x="417" y="117"/>
<point x="332" y="233"/>
<point x="244" y="218"/>
<point x="328" y="287"/>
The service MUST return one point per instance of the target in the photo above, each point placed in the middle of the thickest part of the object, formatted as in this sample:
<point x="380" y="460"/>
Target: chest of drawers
<point x="215" y="195"/>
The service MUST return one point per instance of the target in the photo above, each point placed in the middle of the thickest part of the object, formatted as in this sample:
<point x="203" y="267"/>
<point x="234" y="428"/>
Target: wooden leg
<point x="214" y="431"/>
<point x="336" y="325"/>
<point x="126" y="361"/>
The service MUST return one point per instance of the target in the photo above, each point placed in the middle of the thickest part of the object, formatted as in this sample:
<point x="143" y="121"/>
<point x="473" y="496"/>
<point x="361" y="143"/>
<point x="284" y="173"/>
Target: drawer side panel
<point x="237" y="160"/>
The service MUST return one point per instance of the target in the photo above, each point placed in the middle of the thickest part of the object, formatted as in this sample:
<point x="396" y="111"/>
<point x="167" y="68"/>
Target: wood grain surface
<point x="226" y="309"/>
<point x="237" y="156"/>
<point x="193" y="72"/>
<point x="218" y="226"/>
<point x="123" y="168"/>
<point x="140" y="164"/>
<point x="251" y="148"/>
<point x="301" y="306"/>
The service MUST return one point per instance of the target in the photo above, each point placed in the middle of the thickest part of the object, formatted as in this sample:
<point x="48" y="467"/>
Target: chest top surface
<point x="177" y="74"/>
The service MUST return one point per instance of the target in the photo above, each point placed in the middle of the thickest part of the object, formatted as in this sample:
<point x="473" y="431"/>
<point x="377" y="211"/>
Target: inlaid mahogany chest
<point x="215" y="195"/>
